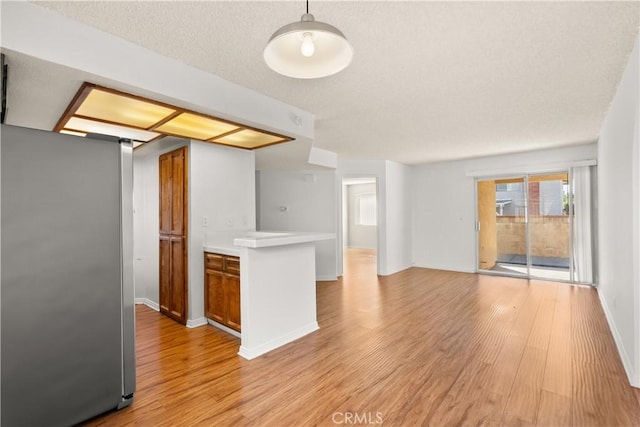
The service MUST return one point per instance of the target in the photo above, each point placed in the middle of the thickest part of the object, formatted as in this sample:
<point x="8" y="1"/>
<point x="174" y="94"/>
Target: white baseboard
<point x="252" y="353"/>
<point x="445" y="268"/>
<point x="146" y="301"/>
<point x="326" y="278"/>
<point x="626" y="362"/>
<point x="154" y="306"/>
<point x="224" y="328"/>
<point x="196" y="322"/>
<point x="395" y="269"/>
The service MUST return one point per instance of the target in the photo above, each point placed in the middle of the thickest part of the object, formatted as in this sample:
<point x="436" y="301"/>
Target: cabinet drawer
<point x="213" y="261"/>
<point x="232" y="264"/>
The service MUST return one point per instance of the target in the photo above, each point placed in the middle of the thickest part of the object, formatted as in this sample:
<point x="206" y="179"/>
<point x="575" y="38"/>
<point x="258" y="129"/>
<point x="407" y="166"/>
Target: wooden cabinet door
<point x="178" y="290"/>
<point x="178" y="190"/>
<point x="173" y="278"/>
<point x="165" y="164"/>
<point x="215" y="295"/>
<point x="165" y="274"/>
<point x="173" y="234"/>
<point x="173" y="184"/>
<point x="222" y="289"/>
<point x="233" y="301"/>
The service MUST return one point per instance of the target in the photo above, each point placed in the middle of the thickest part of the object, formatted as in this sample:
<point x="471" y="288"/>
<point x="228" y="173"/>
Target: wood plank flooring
<point x="421" y="347"/>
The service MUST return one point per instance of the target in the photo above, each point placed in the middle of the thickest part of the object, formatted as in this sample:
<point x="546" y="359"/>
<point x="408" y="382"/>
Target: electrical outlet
<point x="205" y="221"/>
<point x="229" y="222"/>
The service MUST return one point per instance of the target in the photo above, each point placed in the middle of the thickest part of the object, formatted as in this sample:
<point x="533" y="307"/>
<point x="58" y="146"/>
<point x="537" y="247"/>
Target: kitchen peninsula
<point x="277" y="285"/>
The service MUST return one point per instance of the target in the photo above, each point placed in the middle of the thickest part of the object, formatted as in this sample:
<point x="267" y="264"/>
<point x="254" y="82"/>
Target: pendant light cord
<point x="307" y="6"/>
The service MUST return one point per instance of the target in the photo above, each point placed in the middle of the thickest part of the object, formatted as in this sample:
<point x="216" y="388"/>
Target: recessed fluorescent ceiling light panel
<point x="247" y="138"/>
<point x="97" y="109"/>
<point x="197" y="126"/>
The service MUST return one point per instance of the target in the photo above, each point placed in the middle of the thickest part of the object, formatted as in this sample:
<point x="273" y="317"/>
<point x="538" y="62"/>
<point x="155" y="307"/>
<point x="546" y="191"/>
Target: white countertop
<point x="229" y="243"/>
<point x="262" y="239"/>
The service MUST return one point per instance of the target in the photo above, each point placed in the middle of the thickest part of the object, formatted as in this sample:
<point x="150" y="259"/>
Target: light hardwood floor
<point x="421" y="347"/>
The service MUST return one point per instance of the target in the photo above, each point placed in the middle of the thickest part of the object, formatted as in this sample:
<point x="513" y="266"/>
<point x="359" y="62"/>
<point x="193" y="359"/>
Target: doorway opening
<point x="360" y="222"/>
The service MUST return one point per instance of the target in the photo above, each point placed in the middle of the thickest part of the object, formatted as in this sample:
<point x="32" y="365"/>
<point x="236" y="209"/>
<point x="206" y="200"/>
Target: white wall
<point x="358" y="235"/>
<point x="443" y="197"/>
<point x="310" y="199"/>
<point x="221" y="187"/>
<point x="619" y="217"/>
<point x="399" y="234"/>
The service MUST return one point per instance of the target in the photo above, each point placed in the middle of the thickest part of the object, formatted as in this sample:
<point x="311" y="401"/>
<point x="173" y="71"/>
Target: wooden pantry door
<point x="173" y="234"/>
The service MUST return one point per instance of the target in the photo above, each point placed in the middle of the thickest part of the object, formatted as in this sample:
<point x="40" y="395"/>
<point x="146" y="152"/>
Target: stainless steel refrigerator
<point x="67" y="299"/>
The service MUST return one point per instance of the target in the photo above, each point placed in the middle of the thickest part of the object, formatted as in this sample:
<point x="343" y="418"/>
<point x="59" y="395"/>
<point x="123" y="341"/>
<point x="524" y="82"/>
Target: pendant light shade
<point x="308" y="49"/>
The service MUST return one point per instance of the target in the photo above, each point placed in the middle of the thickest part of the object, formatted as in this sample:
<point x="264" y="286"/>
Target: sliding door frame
<point x="525" y="178"/>
<point x="571" y="219"/>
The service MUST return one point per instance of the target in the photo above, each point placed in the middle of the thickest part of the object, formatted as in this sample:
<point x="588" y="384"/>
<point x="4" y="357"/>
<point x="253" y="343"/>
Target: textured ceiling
<point x="430" y="81"/>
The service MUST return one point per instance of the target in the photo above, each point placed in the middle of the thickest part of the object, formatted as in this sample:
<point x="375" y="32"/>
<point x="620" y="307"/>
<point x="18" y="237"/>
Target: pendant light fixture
<point x="308" y="49"/>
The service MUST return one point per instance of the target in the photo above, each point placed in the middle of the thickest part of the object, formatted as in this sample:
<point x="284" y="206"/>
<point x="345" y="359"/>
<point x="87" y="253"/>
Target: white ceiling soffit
<point x="430" y="81"/>
<point x="39" y="92"/>
<point x="358" y="181"/>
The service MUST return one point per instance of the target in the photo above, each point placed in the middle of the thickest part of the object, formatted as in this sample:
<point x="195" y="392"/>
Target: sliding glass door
<point x="524" y="226"/>
<point x="549" y="226"/>
<point x="502" y="218"/>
